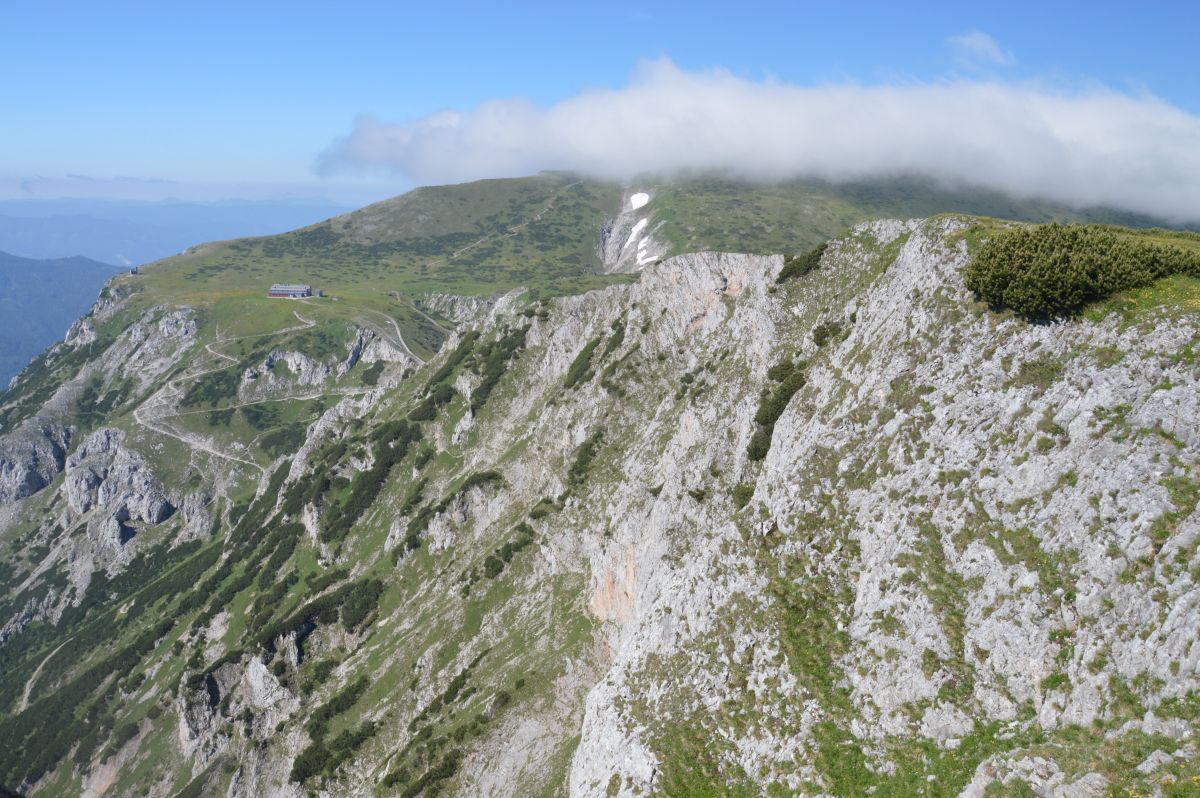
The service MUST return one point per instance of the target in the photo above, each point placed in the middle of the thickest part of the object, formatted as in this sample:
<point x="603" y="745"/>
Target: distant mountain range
<point x="128" y="233"/>
<point x="38" y="301"/>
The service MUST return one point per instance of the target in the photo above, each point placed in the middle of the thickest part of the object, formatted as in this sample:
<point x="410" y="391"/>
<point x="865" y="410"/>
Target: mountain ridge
<point x="549" y="557"/>
<point x="39" y="299"/>
<point x="131" y="233"/>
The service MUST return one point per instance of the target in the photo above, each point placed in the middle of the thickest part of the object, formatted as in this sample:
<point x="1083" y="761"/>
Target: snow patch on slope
<point x="628" y="240"/>
<point x="633" y="234"/>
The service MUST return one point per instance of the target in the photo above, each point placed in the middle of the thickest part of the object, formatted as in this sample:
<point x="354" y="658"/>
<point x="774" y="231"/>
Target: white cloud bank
<point x="1091" y="147"/>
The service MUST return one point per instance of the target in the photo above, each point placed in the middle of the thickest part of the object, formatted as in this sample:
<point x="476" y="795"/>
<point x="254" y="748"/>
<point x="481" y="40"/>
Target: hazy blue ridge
<point x="130" y="233"/>
<point x="38" y="301"/>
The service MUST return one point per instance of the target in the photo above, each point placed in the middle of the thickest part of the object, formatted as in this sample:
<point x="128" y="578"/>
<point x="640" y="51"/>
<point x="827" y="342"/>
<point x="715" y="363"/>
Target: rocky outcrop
<point x="152" y="345"/>
<point x="34" y="452"/>
<point x="30" y="459"/>
<point x="81" y="332"/>
<point x="456" y="308"/>
<point x="468" y="309"/>
<point x="300" y="370"/>
<point x="105" y="476"/>
<point x="285" y="369"/>
<point x="370" y="346"/>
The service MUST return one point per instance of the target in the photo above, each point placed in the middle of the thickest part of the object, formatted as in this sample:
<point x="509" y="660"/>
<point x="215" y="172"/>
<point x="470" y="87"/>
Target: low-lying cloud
<point x="1091" y="147"/>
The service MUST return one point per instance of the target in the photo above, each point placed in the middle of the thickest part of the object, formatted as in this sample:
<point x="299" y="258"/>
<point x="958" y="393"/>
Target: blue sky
<point x="243" y="99"/>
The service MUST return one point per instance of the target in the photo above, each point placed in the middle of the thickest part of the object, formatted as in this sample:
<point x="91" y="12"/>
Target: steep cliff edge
<point x="705" y="533"/>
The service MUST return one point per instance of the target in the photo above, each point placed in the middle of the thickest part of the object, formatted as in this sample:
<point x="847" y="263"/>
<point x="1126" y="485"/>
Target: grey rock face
<point x="926" y="449"/>
<point x="459" y="309"/>
<point x="284" y="370"/>
<point x="30" y="459"/>
<point x="302" y="369"/>
<point x="81" y="332"/>
<point x="33" y="454"/>
<point x="102" y="474"/>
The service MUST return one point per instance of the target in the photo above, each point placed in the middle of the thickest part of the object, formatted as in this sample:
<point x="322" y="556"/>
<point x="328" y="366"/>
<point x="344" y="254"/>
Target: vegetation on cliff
<point x="1046" y="271"/>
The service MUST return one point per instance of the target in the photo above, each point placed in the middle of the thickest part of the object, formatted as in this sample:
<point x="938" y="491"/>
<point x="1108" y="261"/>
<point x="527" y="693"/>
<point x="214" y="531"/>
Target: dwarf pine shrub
<point x="1053" y="270"/>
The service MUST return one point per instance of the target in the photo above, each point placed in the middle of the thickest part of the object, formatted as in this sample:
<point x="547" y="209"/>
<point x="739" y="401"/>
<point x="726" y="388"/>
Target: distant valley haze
<point x="38" y="301"/>
<point x="56" y="255"/>
<point x="128" y="233"/>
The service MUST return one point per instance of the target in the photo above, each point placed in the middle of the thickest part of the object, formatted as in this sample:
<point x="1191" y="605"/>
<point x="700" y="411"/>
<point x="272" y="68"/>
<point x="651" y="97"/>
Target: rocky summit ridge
<point x="703" y="533"/>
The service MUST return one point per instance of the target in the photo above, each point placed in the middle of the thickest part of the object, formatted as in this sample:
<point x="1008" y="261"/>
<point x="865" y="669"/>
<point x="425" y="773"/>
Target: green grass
<point x="794" y="216"/>
<point x="373" y="262"/>
<point x="1176" y="295"/>
<point x="693" y="765"/>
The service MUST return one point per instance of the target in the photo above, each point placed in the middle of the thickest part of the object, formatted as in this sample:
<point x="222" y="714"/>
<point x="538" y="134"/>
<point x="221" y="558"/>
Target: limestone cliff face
<point x="38" y="430"/>
<point x="984" y="521"/>
<point x="101" y="473"/>
<point x="966" y="500"/>
<point x="32" y="457"/>
<point x="112" y="490"/>
<point x="966" y="562"/>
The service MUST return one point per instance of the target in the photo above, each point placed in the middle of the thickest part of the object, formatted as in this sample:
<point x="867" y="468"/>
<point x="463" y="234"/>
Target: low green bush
<point x="826" y="332"/>
<point x="456" y="357"/>
<point x="494" y="565"/>
<point x="1053" y="270"/>
<point x="438" y="397"/>
<point x="799" y="265"/>
<point x="581" y="367"/>
<point x="284" y="440"/>
<point x="790" y="378"/>
<point x="480" y="479"/>
<point x="494" y="361"/>
<point x="391" y="444"/>
<point x="371" y="374"/>
<point x="212" y="388"/>
<point x="360" y="601"/>
<point x="583" y="458"/>
<point x="345" y="698"/>
<point x="615" y="339"/>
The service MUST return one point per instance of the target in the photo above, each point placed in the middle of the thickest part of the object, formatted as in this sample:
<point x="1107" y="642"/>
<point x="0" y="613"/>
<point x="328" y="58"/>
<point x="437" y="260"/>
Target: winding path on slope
<point x="408" y="350"/>
<point x="29" y="683"/>
<point x="159" y="398"/>
<point x="400" y="342"/>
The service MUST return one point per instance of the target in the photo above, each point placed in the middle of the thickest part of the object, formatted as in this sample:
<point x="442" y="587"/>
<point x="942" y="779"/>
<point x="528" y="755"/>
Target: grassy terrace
<point x="473" y="239"/>
<point x="795" y="215"/>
